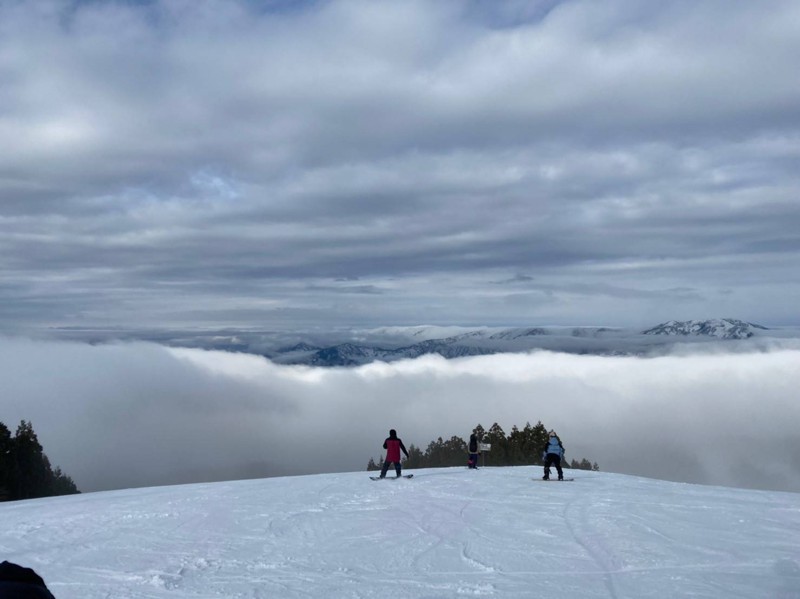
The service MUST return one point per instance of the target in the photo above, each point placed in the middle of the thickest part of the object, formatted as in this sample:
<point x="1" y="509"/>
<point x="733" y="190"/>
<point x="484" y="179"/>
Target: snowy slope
<point x="447" y="533"/>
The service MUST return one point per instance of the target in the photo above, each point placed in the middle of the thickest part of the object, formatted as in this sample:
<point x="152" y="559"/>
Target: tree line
<point x="25" y="471"/>
<point x="520" y="447"/>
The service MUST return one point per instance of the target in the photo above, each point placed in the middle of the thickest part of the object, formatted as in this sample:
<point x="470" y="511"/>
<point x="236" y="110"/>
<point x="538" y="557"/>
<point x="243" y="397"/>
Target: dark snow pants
<point x="385" y="468"/>
<point x="552" y="459"/>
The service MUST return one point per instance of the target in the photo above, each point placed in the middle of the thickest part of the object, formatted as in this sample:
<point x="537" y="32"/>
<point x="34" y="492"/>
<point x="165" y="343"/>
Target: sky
<point x="445" y="534"/>
<point x="141" y="414"/>
<point x="281" y="165"/>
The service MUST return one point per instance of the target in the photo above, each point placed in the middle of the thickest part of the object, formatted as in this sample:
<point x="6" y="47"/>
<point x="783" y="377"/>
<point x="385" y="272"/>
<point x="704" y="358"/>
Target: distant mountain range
<point x="725" y="328"/>
<point x="354" y="347"/>
<point x="399" y="343"/>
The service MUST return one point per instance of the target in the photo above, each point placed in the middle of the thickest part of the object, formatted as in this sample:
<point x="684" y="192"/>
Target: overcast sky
<point x="199" y="164"/>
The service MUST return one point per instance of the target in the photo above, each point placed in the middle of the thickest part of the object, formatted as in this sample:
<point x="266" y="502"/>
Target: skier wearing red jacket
<point x="393" y="445"/>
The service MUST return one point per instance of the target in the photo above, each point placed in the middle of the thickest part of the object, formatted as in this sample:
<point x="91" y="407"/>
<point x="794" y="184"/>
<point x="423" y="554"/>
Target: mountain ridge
<point x="486" y="341"/>
<point x="722" y="328"/>
<point x="350" y="347"/>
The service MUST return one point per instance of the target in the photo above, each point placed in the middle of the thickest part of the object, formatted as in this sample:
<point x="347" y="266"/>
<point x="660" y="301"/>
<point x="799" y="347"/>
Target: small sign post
<point x="484" y="449"/>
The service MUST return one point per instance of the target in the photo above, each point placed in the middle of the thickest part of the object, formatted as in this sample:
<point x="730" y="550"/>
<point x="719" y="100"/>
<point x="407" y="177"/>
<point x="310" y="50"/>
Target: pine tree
<point x="521" y="447"/>
<point x="435" y="453"/>
<point x="62" y="484"/>
<point x="538" y="440"/>
<point x="31" y="468"/>
<point x="5" y="462"/>
<point x="25" y="470"/>
<point x="455" y="452"/>
<point x="497" y="437"/>
<point x="415" y="459"/>
<point x="516" y="447"/>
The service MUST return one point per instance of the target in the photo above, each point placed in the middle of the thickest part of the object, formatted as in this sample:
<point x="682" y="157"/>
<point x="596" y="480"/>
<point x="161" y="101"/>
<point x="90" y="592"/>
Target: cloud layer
<point x="141" y="414"/>
<point x="351" y="162"/>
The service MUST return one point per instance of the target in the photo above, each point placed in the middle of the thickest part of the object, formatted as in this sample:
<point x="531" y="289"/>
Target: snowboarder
<point x="552" y="454"/>
<point x="393" y="445"/>
<point x="473" y="452"/>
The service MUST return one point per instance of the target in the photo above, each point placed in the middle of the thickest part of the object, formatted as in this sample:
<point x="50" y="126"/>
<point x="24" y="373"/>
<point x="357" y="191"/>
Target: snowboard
<point x="392" y="477"/>
<point x="551" y="480"/>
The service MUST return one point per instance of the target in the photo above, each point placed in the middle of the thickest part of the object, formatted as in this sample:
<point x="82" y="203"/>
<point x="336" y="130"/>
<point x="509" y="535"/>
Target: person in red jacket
<point x="393" y="445"/>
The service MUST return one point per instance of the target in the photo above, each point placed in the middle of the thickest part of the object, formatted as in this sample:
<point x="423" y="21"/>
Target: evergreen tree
<point x="25" y="470"/>
<point x="584" y="464"/>
<point x="5" y="462"/>
<point x="521" y="447"/>
<point x="516" y="447"/>
<point x="455" y="452"/>
<point x="435" y="453"/>
<point x="499" y="452"/>
<point x="441" y="453"/>
<point x="62" y="484"/>
<point x="538" y="439"/>
<point x="524" y="447"/>
<point x="415" y="459"/>
<point x="31" y="468"/>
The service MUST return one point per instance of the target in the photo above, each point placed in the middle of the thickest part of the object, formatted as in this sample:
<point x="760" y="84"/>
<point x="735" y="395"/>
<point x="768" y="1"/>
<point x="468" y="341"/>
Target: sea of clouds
<point x="142" y="414"/>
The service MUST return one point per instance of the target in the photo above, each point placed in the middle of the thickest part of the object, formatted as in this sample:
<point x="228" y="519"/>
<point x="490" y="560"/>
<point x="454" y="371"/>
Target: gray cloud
<point x="226" y="163"/>
<point x="141" y="414"/>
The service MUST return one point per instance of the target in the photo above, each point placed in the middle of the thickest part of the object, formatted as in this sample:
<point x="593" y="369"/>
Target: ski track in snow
<point x="447" y="533"/>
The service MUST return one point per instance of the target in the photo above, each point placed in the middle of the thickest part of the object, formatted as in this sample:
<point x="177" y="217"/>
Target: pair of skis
<point x="391" y="477"/>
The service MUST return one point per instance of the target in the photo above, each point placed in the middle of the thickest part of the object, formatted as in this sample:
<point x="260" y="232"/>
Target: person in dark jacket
<point x="473" y="452"/>
<point x="18" y="582"/>
<point x="553" y="453"/>
<point x="393" y="446"/>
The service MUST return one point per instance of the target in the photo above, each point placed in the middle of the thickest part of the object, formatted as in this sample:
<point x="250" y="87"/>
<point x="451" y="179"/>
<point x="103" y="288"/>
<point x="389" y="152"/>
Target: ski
<point x="551" y="480"/>
<point x="391" y="477"/>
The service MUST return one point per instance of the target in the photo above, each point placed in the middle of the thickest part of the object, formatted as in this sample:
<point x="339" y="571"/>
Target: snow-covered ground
<point x="445" y="533"/>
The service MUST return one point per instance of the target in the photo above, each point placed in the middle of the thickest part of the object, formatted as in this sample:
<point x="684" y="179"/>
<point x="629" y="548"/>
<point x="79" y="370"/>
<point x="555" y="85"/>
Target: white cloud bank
<point x="142" y="414"/>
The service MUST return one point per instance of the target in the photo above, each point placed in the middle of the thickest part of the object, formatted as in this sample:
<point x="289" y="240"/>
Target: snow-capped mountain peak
<point x="722" y="328"/>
